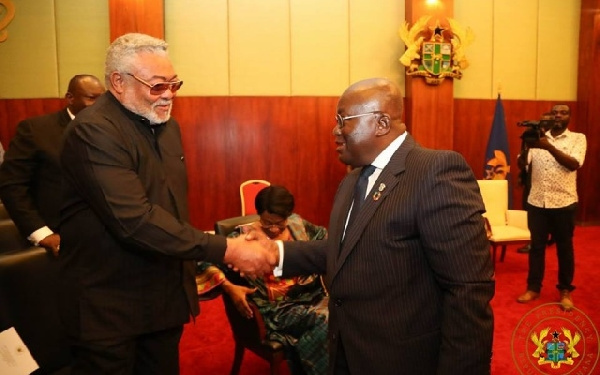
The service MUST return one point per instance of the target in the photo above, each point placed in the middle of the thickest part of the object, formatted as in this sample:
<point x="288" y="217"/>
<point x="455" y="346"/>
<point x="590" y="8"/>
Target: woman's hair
<point x="276" y="200"/>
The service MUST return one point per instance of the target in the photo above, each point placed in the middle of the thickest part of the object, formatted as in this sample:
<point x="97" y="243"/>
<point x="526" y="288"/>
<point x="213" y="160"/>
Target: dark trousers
<point x="147" y="354"/>
<point x="560" y="224"/>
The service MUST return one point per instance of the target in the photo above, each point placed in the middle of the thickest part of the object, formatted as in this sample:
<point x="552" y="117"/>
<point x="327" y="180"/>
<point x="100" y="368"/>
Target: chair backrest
<point x="495" y="199"/>
<point x="226" y="226"/>
<point x="248" y="191"/>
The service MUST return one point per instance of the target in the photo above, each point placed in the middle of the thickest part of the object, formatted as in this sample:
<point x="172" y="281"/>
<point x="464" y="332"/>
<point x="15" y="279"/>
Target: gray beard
<point x="147" y="113"/>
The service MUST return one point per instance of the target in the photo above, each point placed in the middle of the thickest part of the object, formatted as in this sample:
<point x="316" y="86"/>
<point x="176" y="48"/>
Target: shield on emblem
<point x="436" y="57"/>
<point x="556" y="351"/>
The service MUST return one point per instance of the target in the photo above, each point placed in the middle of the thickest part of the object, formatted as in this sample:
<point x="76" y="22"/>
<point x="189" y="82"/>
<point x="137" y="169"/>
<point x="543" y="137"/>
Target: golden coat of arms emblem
<point x="435" y="52"/>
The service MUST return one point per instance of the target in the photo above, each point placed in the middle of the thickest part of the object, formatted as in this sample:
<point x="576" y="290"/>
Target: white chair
<point x="505" y="227"/>
<point x="248" y="191"/>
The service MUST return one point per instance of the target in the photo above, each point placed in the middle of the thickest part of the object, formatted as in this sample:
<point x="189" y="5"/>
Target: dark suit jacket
<point x="410" y="289"/>
<point x="30" y="177"/>
<point x="124" y="231"/>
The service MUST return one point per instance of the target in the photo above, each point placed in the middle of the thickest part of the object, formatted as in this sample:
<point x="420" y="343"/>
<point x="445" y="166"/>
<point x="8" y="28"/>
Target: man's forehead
<point x="561" y="108"/>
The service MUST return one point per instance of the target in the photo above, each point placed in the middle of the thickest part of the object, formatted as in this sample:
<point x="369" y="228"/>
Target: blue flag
<point x="497" y="155"/>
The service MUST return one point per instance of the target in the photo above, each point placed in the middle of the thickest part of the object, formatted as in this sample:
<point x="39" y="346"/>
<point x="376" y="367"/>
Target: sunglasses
<point x="160" y="87"/>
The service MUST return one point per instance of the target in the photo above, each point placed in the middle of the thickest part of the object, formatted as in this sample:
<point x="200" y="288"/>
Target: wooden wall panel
<point x="288" y="141"/>
<point x="588" y="96"/>
<point x="136" y="16"/>
<point x="430" y="108"/>
<point x="285" y="140"/>
<point x="12" y="111"/>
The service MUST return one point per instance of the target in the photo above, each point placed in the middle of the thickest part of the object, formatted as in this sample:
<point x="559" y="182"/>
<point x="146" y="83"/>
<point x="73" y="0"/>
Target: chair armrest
<point x="260" y="323"/>
<point x="517" y="218"/>
<point x="252" y="333"/>
<point x="488" y="227"/>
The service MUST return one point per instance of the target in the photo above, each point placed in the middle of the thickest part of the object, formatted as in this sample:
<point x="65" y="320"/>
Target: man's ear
<point x="116" y="81"/>
<point x="383" y="124"/>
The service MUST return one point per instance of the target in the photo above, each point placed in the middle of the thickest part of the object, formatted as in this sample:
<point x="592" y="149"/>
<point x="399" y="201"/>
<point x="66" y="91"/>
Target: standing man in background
<point x="128" y="251"/>
<point x="410" y="275"/>
<point x="545" y="124"/>
<point x="30" y="177"/>
<point x="552" y="203"/>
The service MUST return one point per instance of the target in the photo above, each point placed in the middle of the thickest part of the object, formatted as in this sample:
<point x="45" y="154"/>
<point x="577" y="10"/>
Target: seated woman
<point x="294" y="310"/>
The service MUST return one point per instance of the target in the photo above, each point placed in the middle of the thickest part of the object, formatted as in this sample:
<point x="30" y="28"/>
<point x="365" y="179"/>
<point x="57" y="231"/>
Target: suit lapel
<point x="385" y="185"/>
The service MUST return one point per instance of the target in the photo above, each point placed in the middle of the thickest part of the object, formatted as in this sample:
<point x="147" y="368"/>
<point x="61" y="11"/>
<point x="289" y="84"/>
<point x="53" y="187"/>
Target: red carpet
<point x="207" y="345"/>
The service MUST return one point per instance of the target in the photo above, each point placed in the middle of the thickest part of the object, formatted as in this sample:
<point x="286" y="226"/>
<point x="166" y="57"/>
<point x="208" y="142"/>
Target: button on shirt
<point x="552" y="184"/>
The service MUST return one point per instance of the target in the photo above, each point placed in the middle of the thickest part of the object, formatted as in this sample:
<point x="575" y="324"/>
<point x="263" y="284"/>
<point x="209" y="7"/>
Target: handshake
<point x="253" y="254"/>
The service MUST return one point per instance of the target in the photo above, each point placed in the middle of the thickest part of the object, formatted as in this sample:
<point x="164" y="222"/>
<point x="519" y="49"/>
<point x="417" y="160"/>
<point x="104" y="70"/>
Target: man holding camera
<point x="553" y="160"/>
<point x="545" y="124"/>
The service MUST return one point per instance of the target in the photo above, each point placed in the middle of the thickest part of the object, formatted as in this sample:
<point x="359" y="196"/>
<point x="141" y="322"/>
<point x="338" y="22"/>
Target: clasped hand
<point x="253" y="254"/>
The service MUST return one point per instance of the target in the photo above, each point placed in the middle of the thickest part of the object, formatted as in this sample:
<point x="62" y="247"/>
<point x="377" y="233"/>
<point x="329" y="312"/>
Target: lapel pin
<point x="377" y="194"/>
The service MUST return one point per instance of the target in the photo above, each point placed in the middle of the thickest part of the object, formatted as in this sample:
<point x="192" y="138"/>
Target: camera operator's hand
<point x="561" y="157"/>
<point x="542" y="143"/>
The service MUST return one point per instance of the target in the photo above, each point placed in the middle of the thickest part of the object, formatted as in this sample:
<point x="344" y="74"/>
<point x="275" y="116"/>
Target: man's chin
<point x="159" y="117"/>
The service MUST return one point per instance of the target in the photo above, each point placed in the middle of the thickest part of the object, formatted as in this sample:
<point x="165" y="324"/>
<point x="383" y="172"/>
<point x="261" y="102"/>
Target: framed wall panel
<point x="198" y="37"/>
<point x="558" y="32"/>
<point x="83" y="35"/>
<point x="319" y="47"/>
<point x="28" y="61"/>
<point x="259" y="47"/>
<point x="515" y="43"/>
<point x="375" y="46"/>
<point x="477" y="78"/>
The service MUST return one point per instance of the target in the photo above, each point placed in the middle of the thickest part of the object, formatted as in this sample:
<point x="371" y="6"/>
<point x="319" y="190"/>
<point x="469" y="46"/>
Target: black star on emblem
<point x="438" y="30"/>
<point x="555" y="335"/>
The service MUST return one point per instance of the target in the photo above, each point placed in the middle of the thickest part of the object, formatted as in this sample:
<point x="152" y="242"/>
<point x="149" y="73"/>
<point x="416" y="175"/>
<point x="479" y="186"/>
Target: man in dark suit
<point x="30" y="177"/>
<point x="128" y="250"/>
<point x="411" y="278"/>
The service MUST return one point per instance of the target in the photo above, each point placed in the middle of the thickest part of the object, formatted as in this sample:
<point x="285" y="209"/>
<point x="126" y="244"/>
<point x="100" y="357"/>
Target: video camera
<point x="535" y="129"/>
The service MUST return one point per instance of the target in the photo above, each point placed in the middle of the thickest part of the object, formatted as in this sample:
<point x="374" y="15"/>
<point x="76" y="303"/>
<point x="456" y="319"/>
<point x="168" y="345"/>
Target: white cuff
<point x="39" y="235"/>
<point x="278" y="271"/>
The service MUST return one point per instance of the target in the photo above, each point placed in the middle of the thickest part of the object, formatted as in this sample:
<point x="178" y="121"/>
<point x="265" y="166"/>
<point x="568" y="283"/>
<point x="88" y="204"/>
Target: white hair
<point x="122" y="50"/>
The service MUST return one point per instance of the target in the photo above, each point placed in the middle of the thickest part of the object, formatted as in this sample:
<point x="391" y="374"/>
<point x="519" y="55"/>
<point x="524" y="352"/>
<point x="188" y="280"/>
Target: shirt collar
<point x="71" y="115"/>
<point x="384" y="157"/>
<point x="563" y="134"/>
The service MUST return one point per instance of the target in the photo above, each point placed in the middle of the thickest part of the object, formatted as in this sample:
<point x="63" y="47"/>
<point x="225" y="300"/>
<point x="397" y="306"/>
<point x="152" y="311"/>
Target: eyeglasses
<point x="340" y="120"/>
<point x="280" y="225"/>
<point x="160" y="87"/>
